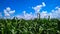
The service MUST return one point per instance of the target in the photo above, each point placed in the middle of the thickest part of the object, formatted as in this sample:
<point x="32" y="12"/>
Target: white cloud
<point x="8" y="8"/>
<point x="19" y="16"/>
<point x="56" y="13"/>
<point x="8" y="12"/>
<point x="11" y="12"/>
<point x="52" y="14"/>
<point x="5" y="11"/>
<point x="43" y="4"/>
<point x="24" y="12"/>
<point x="27" y="16"/>
<point x="32" y="16"/>
<point x="38" y="7"/>
<point x="44" y="14"/>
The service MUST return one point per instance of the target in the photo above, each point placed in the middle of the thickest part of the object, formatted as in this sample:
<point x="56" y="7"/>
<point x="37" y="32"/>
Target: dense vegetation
<point x="36" y="26"/>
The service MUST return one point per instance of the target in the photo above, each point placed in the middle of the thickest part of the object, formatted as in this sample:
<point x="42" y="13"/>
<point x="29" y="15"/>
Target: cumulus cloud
<point x="8" y="8"/>
<point x="24" y="12"/>
<point x="27" y="16"/>
<point x="53" y="14"/>
<point x="31" y="15"/>
<point x="44" y="14"/>
<point x="43" y="4"/>
<point x="20" y="16"/>
<point x="38" y="7"/>
<point x="11" y="12"/>
<point x="8" y="12"/>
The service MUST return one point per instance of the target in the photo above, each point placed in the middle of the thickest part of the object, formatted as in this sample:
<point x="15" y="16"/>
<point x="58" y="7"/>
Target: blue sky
<point x="26" y="5"/>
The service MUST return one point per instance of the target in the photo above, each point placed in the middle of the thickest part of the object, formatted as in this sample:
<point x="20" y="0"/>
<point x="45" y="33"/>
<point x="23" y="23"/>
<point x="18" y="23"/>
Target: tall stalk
<point x="2" y="30"/>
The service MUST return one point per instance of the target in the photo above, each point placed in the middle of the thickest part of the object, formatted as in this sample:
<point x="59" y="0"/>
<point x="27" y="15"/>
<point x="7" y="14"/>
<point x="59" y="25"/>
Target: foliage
<point x="36" y="26"/>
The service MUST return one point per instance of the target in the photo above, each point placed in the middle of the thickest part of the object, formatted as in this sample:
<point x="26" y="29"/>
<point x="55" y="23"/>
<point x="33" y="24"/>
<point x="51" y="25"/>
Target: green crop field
<point x="35" y="26"/>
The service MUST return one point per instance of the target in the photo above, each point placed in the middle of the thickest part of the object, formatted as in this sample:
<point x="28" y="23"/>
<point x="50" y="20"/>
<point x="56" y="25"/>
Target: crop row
<point x="36" y="26"/>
